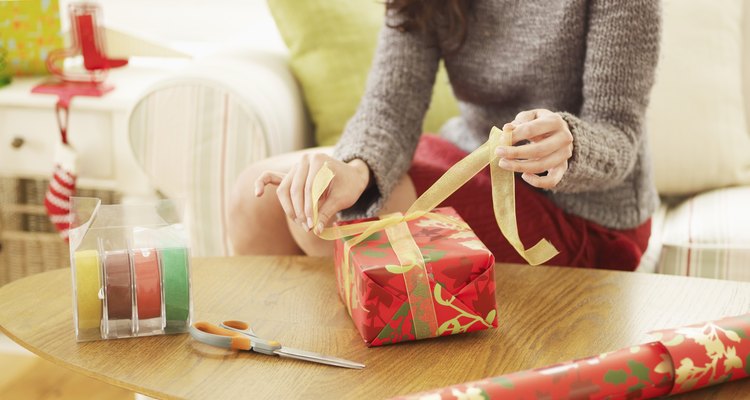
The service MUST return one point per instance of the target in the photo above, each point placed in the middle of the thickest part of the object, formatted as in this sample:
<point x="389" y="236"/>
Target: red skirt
<point x="581" y="243"/>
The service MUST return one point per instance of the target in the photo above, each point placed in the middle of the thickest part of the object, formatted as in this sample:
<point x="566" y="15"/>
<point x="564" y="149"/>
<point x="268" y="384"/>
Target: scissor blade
<point x="318" y="358"/>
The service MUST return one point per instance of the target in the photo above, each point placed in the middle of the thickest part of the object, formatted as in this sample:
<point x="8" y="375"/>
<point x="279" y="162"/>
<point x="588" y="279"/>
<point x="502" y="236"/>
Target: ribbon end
<point x="540" y="253"/>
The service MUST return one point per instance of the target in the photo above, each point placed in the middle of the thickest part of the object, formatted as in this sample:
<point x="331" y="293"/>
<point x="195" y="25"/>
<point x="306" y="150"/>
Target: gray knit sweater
<point x="592" y="61"/>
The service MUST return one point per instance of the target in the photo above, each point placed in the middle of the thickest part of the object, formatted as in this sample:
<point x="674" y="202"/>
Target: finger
<point x="540" y="126"/>
<point x="316" y="163"/>
<point x="533" y="150"/>
<point x="297" y="191"/>
<point x="282" y="192"/>
<point x="524" y="116"/>
<point x="267" y="178"/>
<point x="549" y="181"/>
<point x="536" y="166"/>
<point x="327" y="210"/>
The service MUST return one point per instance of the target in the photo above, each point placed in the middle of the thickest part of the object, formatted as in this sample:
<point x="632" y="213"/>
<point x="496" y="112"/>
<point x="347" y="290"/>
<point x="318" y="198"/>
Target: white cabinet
<point x="29" y="136"/>
<point x="98" y="130"/>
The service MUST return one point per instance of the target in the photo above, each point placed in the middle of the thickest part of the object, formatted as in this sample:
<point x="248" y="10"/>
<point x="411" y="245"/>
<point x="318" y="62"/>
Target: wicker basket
<point x="28" y="241"/>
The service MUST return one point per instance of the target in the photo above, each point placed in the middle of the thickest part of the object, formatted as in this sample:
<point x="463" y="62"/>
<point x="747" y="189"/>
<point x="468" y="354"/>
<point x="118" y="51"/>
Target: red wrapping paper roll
<point x="682" y="360"/>
<point x="708" y="354"/>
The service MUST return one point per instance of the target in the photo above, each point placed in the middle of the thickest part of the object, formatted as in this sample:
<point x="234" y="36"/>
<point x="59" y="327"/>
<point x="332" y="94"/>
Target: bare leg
<point x="259" y="225"/>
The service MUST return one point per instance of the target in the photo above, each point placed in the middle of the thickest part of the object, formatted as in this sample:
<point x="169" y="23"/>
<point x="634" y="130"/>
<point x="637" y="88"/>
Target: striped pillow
<point x="709" y="236"/>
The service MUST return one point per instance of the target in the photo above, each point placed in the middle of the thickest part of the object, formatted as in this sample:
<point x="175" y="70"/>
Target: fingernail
<point x="309" y="223"/>
<point x="257" y="192"/>
<point x="319" y="228"/>
<point x="303" y="225"/>
<point x="503" y="163"/>
<point x="501" y="152"/>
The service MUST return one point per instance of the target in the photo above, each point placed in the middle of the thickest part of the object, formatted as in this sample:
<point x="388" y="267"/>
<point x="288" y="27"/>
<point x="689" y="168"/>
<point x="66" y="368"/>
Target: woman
<point x="571" y="77"/>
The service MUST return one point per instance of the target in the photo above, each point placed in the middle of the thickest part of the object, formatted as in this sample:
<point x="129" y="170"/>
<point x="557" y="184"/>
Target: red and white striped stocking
<point x="62" y="185"/>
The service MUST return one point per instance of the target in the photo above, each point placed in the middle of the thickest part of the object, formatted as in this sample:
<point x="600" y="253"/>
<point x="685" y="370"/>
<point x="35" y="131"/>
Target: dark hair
<point x="424" y="15"/>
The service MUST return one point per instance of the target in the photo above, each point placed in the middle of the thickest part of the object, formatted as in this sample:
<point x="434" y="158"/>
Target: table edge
<point x="57" y="361"/>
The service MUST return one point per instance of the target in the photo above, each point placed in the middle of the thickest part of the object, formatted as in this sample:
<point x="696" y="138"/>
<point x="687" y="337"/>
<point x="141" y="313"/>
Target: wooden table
<point x="547" y="315"/>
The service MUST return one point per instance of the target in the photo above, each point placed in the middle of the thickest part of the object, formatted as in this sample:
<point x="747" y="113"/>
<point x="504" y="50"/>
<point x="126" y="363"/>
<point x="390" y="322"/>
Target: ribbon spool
<point x="174" y="263"/>
<point x="145" y="292"/>
<point x="117" y="278"/>
<point x="147" y="283"/>
<point x="88" y="282"/>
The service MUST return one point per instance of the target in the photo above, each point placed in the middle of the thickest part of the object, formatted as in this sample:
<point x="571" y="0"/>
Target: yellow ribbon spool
<point x="503" y="201"/>
<point x="88" y="284"/>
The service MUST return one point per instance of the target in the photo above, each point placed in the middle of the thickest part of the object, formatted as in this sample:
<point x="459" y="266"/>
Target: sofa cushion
<point x="708" y="236"/>
<point x="697" y="118"/>
<point x="331" y="45"/>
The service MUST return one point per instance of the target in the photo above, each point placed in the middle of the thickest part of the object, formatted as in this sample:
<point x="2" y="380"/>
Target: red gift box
<point x="424" y="273"/>
<point x="450" y="290"/>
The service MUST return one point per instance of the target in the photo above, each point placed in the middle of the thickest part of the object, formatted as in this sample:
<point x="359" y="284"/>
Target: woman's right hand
<point x="294" y="189"/>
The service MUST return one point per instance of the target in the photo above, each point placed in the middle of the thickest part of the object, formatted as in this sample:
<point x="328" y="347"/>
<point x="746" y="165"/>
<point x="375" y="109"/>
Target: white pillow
<point x="696" y="123"/>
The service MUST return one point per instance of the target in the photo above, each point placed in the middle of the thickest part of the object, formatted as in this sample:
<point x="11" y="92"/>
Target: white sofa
<point x="194" y="133"/>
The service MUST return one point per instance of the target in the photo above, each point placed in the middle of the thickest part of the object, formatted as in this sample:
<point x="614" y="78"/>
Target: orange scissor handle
<point x="241" y="325"/>
<point x="238" y="341"/>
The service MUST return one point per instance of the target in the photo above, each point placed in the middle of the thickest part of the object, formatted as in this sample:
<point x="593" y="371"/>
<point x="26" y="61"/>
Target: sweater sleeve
<point x="622" y="47"/>
<point x="386" y="127"/>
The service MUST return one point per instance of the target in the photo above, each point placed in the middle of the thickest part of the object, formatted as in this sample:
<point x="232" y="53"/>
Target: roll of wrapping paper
<point x="118" y="285"/>
<point x="88" y="284"/>
<point x="147" y="283"/>
<point x="176" y="285"/>
<point x="681" y="360"/>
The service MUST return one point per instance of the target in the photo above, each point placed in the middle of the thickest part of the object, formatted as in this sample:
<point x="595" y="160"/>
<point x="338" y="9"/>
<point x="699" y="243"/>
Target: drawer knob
<point x="17" y="142"/>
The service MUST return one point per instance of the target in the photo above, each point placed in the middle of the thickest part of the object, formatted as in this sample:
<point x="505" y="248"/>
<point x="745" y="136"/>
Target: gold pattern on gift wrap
<point x="687" y="373"/>
<point x="665" y="366"/>
<point x="503" y="199"/>
<point x="453" y="325"/>
<point x="416" y="281"/>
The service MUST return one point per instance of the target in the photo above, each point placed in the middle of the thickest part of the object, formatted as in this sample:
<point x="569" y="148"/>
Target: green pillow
<point x="331" y="45"/>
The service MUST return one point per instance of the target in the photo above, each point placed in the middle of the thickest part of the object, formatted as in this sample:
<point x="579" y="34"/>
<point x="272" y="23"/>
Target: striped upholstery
<point x="193" y="136"/>
<point x="709" y="236"/>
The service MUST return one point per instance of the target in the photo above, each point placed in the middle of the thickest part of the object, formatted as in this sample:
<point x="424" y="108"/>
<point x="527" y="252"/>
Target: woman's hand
<point x="549" y="148"/>
<point x="294" y="189"/>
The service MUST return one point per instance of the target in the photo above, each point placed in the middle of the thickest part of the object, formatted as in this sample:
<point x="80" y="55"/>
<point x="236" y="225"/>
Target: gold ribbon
<point x="503" y="201"/>
<point x="416" y="281"/>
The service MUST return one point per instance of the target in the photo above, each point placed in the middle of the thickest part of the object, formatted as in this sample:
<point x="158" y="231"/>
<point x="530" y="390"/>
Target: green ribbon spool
<point x="176" y="285"/>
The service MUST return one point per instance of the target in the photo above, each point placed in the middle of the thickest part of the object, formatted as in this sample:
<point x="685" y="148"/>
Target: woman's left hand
<point x="549" y="148"/>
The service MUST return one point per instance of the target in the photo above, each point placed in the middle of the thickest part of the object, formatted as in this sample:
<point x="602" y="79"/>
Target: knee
<point x="242" y="198"/>
<point x="244" y="206"/>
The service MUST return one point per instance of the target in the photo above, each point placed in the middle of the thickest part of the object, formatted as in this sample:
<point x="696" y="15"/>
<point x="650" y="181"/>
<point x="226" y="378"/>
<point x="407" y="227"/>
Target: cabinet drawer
<point x="36" y="136"/>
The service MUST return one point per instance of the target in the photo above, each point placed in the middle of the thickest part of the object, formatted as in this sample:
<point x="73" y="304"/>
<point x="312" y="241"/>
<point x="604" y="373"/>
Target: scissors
<point x="237" y="335"/>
